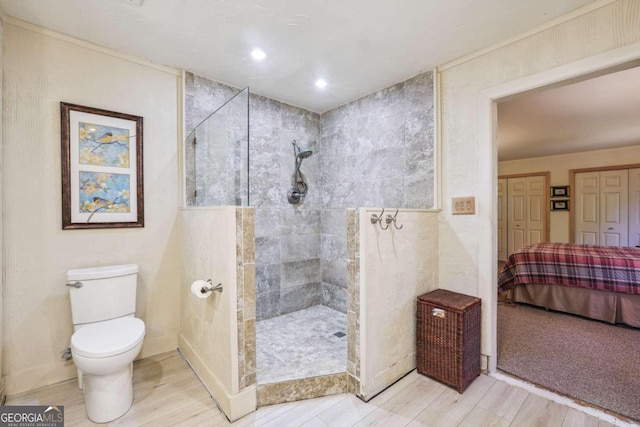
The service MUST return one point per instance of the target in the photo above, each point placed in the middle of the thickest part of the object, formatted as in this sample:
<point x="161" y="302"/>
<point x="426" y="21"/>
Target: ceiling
<point x="358" y="46"/>
<point x="599" y="113"/>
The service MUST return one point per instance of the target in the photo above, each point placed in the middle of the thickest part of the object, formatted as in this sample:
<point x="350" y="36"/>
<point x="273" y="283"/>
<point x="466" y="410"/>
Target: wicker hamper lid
<point x="449" y="299"/>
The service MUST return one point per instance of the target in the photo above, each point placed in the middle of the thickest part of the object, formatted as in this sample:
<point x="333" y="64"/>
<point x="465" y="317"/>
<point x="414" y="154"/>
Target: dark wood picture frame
<point x="560" y="191"/>
<point x="102" y="168"/>
<point x="560" y="205"/>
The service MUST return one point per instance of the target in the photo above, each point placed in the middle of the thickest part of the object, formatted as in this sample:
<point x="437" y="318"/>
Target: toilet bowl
<point x="107" y="337"/>
<point x="103" y="353"/>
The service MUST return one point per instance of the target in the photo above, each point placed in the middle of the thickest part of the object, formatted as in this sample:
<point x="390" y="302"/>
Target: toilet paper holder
<point x="211" y="288"/>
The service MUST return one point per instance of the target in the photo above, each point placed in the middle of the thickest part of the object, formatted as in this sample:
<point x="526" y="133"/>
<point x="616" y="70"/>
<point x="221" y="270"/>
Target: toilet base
<point x="108" y="397"/>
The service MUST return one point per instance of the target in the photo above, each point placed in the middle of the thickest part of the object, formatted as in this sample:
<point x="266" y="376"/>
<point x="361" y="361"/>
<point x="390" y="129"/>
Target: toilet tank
<point x="105" y="293"/>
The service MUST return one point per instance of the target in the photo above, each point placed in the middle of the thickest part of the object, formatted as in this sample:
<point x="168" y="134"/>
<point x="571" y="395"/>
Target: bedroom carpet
<point x="590" y="361"/>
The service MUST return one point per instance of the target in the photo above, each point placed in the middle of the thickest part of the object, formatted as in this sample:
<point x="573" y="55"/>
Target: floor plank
<point x="538" y="411"/>
<point x="167" y="393"/>
<point x="400" y="409"/>
<point x="451" y="407"/>
<point x="352" y="409"/>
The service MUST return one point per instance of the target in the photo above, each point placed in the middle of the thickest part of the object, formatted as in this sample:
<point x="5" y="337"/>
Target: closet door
<point x="502" y="219"/>
<point x="634" y="207"/>
<point x="536" y="209"/>
<point x="587" y="209"/>
<point x="614" y="208"/>
<point x="517" y="210"/>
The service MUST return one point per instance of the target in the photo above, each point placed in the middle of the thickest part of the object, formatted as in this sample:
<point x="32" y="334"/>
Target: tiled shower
<point x="375" y="151"/>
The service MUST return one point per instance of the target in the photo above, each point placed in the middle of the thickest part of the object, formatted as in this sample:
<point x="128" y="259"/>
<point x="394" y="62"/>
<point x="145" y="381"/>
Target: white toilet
<point x="107" y="337"/>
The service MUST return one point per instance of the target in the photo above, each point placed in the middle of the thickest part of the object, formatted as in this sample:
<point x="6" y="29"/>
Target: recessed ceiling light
<point x="258" y="54"/>
<point x="321" y="83"/>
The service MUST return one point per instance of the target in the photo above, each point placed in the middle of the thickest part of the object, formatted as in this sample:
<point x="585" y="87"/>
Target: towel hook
<point x="392" y="219"/>
<point x="377" y="218"/>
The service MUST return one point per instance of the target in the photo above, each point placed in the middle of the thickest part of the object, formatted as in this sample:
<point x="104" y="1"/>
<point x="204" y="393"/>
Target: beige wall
<point x="41" y="70"/>
<point x="2" y="387"/>
<point x="396" y="266"/>
<point x="468" y="166"/>
<point x="559" y="167"/>
<point x="209" y="326"/>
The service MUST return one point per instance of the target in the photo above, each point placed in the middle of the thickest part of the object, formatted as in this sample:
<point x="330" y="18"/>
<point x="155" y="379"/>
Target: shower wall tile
<point x="268" y="305"/>
<point x="300" y="297"/>
<point x="267" y="221"/>
<point x="334" y="247"/>
<point x="265" y="178"/>
<point x="334" y="297"/>
<point x="390" y="135"/>
<point x="265" y="115"/>
<point x="335" y="272"/>
<point x="297" y="247"/>
<point x="267" y="278"/>
<point x="268" y="250"/>
<point x="298" y="273"/>
<point x="203" y="97"/>
<point x="380" y="164"/>
<point x="383" y="103"/>
<point x="334" y="221"/>
<point x="301" y="221"/>
<point x="416" y="184"/>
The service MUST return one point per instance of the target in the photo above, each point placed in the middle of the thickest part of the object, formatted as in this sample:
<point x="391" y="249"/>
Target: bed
<point x="599" y="282"/>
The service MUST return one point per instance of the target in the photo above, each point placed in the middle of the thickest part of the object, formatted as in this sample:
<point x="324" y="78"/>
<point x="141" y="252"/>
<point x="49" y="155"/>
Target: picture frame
<point x="102" y="168"/>
<point x="560" y="205"/>
<point x="560" y="191"/>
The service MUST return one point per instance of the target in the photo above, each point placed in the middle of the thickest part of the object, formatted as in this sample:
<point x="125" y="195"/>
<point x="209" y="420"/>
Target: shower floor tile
<point x="301" y="344"/>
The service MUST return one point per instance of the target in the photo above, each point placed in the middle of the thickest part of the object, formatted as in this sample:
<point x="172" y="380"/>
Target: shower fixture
<point x="299" y="185"/>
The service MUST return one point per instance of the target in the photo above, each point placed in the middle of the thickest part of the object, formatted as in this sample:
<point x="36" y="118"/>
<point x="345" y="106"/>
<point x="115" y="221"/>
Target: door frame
<point x="582" y="69"/>
<point x="572" y="193"/>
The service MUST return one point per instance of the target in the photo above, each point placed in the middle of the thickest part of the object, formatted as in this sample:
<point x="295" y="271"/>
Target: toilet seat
<point x="108" y="338"/>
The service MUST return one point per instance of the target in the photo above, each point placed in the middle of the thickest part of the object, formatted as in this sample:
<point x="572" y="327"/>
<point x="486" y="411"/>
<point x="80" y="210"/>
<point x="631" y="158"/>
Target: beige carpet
<point x="590" y="361"/>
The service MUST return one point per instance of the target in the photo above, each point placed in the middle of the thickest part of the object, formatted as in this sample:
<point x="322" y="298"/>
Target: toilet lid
<point x="108" y="338"/>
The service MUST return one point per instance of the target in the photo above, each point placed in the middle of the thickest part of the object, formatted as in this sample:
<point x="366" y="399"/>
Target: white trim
<point x="563" y="400"/>
<point x="590" y="7"/>
<point x="82" y="43"/>
<point x="487" y="152"/>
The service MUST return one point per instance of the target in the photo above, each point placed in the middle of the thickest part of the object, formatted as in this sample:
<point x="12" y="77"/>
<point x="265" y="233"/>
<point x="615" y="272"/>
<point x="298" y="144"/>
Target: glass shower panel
<point x="217" y="156"/>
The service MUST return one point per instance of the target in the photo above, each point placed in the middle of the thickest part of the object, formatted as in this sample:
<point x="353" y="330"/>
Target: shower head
<point x="300" y="153"/>
<point x="303" y="154"/>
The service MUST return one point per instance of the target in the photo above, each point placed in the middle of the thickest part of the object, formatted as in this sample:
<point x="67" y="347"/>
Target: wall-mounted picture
<point x="560" y="191"/>
<point x="560" y="205"/>
<point x="102" y="182"/>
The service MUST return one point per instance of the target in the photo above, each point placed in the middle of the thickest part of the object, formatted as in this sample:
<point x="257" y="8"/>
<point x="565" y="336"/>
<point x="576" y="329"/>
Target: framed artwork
<point x="102" y="182"/>
<point x="561" y="191"/>
<point x="560" y="205"/>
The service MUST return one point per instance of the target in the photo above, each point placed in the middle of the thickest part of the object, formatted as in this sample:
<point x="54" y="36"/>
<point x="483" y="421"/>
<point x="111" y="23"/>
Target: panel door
<point x="587" y="208"/>
<point x="502" y="219"/>
<point x="634" y="207"/>
<point x="536" y="209"/>
<point x="517" y="211"/>
<point x="614" y="208"/>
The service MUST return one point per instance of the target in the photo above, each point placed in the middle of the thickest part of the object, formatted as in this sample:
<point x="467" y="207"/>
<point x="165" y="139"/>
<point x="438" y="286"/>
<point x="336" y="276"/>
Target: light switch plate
<point x="463" y="205"/>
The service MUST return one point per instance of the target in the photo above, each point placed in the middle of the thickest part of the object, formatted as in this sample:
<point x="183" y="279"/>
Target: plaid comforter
<point x="606" y="268"/>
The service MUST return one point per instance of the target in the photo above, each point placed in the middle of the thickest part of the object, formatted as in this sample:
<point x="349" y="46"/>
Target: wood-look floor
<point x="167" y="393"/>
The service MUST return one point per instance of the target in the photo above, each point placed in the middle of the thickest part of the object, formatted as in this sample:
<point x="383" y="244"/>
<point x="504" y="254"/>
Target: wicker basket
<point x="448" y="338"/>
